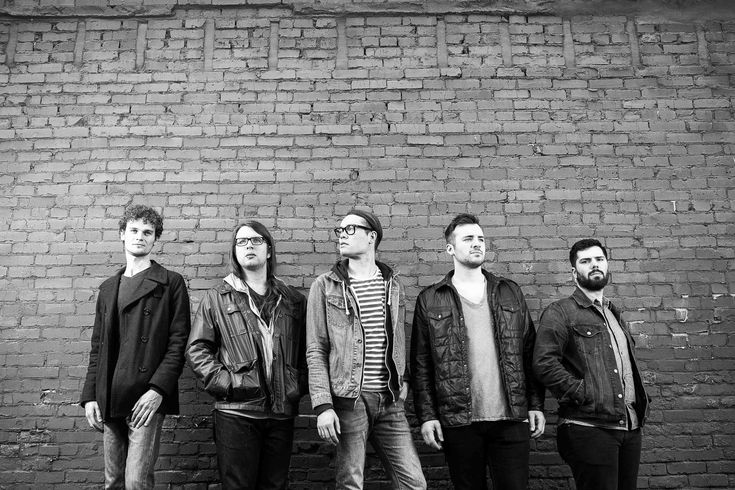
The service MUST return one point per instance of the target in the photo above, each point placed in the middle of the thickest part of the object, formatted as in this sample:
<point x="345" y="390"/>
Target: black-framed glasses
<point x="349" y="229"/>
<point x="255" y="240"/>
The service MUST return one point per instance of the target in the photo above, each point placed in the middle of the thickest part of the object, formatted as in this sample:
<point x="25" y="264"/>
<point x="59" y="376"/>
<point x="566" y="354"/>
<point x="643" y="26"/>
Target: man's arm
<point x="422" y="366"/>
<point x="89" y="390"/>
<point x="167" y="373"/>
<point x="317" y="348"/>
<point x="202" y="349"/>
<point x="548" y="354"/>
<point x="422" y="369"/>
<point x="303" y="368"/>
<point x="535" y="390"/>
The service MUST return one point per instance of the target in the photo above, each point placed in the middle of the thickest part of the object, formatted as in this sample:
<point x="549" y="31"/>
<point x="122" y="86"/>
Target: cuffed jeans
<point x="252" y="453"/>
<point x="501" y="446"/>
<point x="600" y="459"/>
<point x="130" y="454"/>
<point x="377" y="419"/>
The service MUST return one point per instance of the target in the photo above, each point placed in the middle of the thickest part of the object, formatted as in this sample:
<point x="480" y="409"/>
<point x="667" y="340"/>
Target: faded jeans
<point x="377" y="419"/>
<point x="130" y="454"/>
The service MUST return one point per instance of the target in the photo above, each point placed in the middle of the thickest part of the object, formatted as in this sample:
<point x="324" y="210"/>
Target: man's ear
<point x="450" y="249"/>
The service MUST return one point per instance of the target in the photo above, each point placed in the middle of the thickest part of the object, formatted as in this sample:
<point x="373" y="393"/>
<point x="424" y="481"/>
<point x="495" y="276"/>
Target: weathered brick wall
<point x="549" y="128"/>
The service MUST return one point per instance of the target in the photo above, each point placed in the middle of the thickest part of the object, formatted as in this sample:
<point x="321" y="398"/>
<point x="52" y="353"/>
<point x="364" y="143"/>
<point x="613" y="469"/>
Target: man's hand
<point x="536" y="423"/>
<point x="327" y="424"/>
<point x="145" y="408"/>
<point x="94" y="416"/>
<point x="431" y="431"/>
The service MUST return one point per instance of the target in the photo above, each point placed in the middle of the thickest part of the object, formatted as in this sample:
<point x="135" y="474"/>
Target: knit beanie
<point x="372" y="221"/>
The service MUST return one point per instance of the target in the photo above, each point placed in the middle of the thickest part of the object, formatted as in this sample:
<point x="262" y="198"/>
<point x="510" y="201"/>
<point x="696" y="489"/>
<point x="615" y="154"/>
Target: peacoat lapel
<point x="156" y="275"/>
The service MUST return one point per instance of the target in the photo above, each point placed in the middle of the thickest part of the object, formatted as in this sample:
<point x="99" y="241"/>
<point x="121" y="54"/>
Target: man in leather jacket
<point x="584" y="356"/>
<point x="247" y="345"/>
<point x="471" y="351"/>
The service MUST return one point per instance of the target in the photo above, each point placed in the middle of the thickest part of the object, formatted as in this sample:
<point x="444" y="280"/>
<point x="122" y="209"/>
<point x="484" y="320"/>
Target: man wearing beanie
<point x="356" y="354"/>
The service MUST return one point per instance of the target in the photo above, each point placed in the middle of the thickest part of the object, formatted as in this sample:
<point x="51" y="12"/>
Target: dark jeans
<point x="502" y="446"/>
<point x="600" y="459"/>
<point x="252" y="453"/>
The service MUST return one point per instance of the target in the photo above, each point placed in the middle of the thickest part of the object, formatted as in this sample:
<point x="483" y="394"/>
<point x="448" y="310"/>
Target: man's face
<point x="590" y="269"/>
<point x="138" y="238"/>
<point x="467" y="245"/>
<point x="250" y="256"/>
<point x="359" y="243"/>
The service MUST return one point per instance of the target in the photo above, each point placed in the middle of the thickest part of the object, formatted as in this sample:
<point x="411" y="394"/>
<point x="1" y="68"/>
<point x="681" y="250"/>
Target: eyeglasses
<point x="349" y="229"/>
<point x="255" y="240"/>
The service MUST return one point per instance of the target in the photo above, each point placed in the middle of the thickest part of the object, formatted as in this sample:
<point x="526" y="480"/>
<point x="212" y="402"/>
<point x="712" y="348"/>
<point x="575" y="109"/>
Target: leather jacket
<point x="336" y="340"/>
<point x="440" y="358"/>
<point x="574" y="358"/>
<point x="225" y="351"/>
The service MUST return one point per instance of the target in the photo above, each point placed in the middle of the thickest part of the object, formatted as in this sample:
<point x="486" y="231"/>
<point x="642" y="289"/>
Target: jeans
<point x="252" y="453"/>
<point x="600" y="459"/>
<point x="502" y="446"/>
<point x="377" y="419"/>
<point x="130" y="454"/>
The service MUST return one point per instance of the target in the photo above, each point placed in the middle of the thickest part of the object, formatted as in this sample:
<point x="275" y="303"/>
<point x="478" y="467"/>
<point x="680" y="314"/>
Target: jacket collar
<point x="584" y="301"/>
<point x="155" y="275"/>
<point x="340" y="274"/>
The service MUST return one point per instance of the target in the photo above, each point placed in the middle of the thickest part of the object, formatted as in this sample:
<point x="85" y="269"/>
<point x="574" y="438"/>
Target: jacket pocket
<point x="440" y="324"/>
<point x="291" y="383"/>
<point x="246" y="382"/>
<point x="590" y="341"/>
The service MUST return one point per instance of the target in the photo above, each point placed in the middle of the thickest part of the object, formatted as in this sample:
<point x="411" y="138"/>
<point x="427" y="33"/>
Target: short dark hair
<point x="584" y="244"/>
<point x="144" y="213"/>
<point x="372" y="221"/>
<point x="460" y="219"/>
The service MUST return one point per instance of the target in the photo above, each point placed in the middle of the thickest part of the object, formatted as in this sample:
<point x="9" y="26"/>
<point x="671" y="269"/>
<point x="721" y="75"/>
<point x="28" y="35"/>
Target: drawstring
<point x="344" y="298"/>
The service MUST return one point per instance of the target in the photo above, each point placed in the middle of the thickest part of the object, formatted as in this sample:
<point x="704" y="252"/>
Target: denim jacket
<point x="225" y="352"/>
<point x="574" y="358"/>
<point x="335" y="339"/>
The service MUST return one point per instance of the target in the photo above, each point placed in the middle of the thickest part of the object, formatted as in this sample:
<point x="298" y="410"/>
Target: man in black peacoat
<point x="141" y="326"/>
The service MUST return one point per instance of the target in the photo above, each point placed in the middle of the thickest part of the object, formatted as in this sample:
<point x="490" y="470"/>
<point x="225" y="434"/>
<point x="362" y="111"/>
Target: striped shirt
<point x="370" y="295"/>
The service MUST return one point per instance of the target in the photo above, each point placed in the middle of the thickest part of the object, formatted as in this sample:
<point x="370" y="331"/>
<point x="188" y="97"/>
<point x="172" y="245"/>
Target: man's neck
<point x="257" y="280"/>
<point x="593" y="295"/>
<point x="466" y="275"/>
<point x="362" y="267"/>
<point x="136" y="264"/>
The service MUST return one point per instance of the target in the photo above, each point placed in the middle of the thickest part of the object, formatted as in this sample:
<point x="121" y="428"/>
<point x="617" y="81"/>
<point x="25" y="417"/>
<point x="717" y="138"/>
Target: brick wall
<point x="549" y="128"/>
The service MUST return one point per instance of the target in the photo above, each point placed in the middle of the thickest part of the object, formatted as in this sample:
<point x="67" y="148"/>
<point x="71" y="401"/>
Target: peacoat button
<point x="144" y="339"/>
<point x="589" y="333"/>
<point x="146" y="312"/>
<point x="142" y="369"/>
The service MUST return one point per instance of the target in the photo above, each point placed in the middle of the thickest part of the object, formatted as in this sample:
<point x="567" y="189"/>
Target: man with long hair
<point x="140" y="329"/>
<point x="247" y="347"/>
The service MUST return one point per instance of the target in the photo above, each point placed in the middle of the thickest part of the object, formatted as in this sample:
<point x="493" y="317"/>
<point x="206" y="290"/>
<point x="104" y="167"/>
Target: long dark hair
<point x="275" y="287"/>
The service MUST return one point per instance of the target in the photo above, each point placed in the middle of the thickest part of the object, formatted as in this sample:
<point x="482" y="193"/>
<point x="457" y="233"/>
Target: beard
<point x="593" y="284"/>
<point x="472" y="262"/>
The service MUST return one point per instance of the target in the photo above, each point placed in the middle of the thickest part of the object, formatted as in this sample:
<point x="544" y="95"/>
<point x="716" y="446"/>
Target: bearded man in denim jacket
<point x="584" y="356"/>
<point x="356" y="353"/>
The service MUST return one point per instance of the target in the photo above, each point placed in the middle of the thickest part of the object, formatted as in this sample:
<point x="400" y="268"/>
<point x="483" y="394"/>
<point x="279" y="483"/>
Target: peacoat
<point x="141" y="348"/>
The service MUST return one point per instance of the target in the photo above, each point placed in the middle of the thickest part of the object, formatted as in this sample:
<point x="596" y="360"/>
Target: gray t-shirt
<point x="488" y="399"/>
